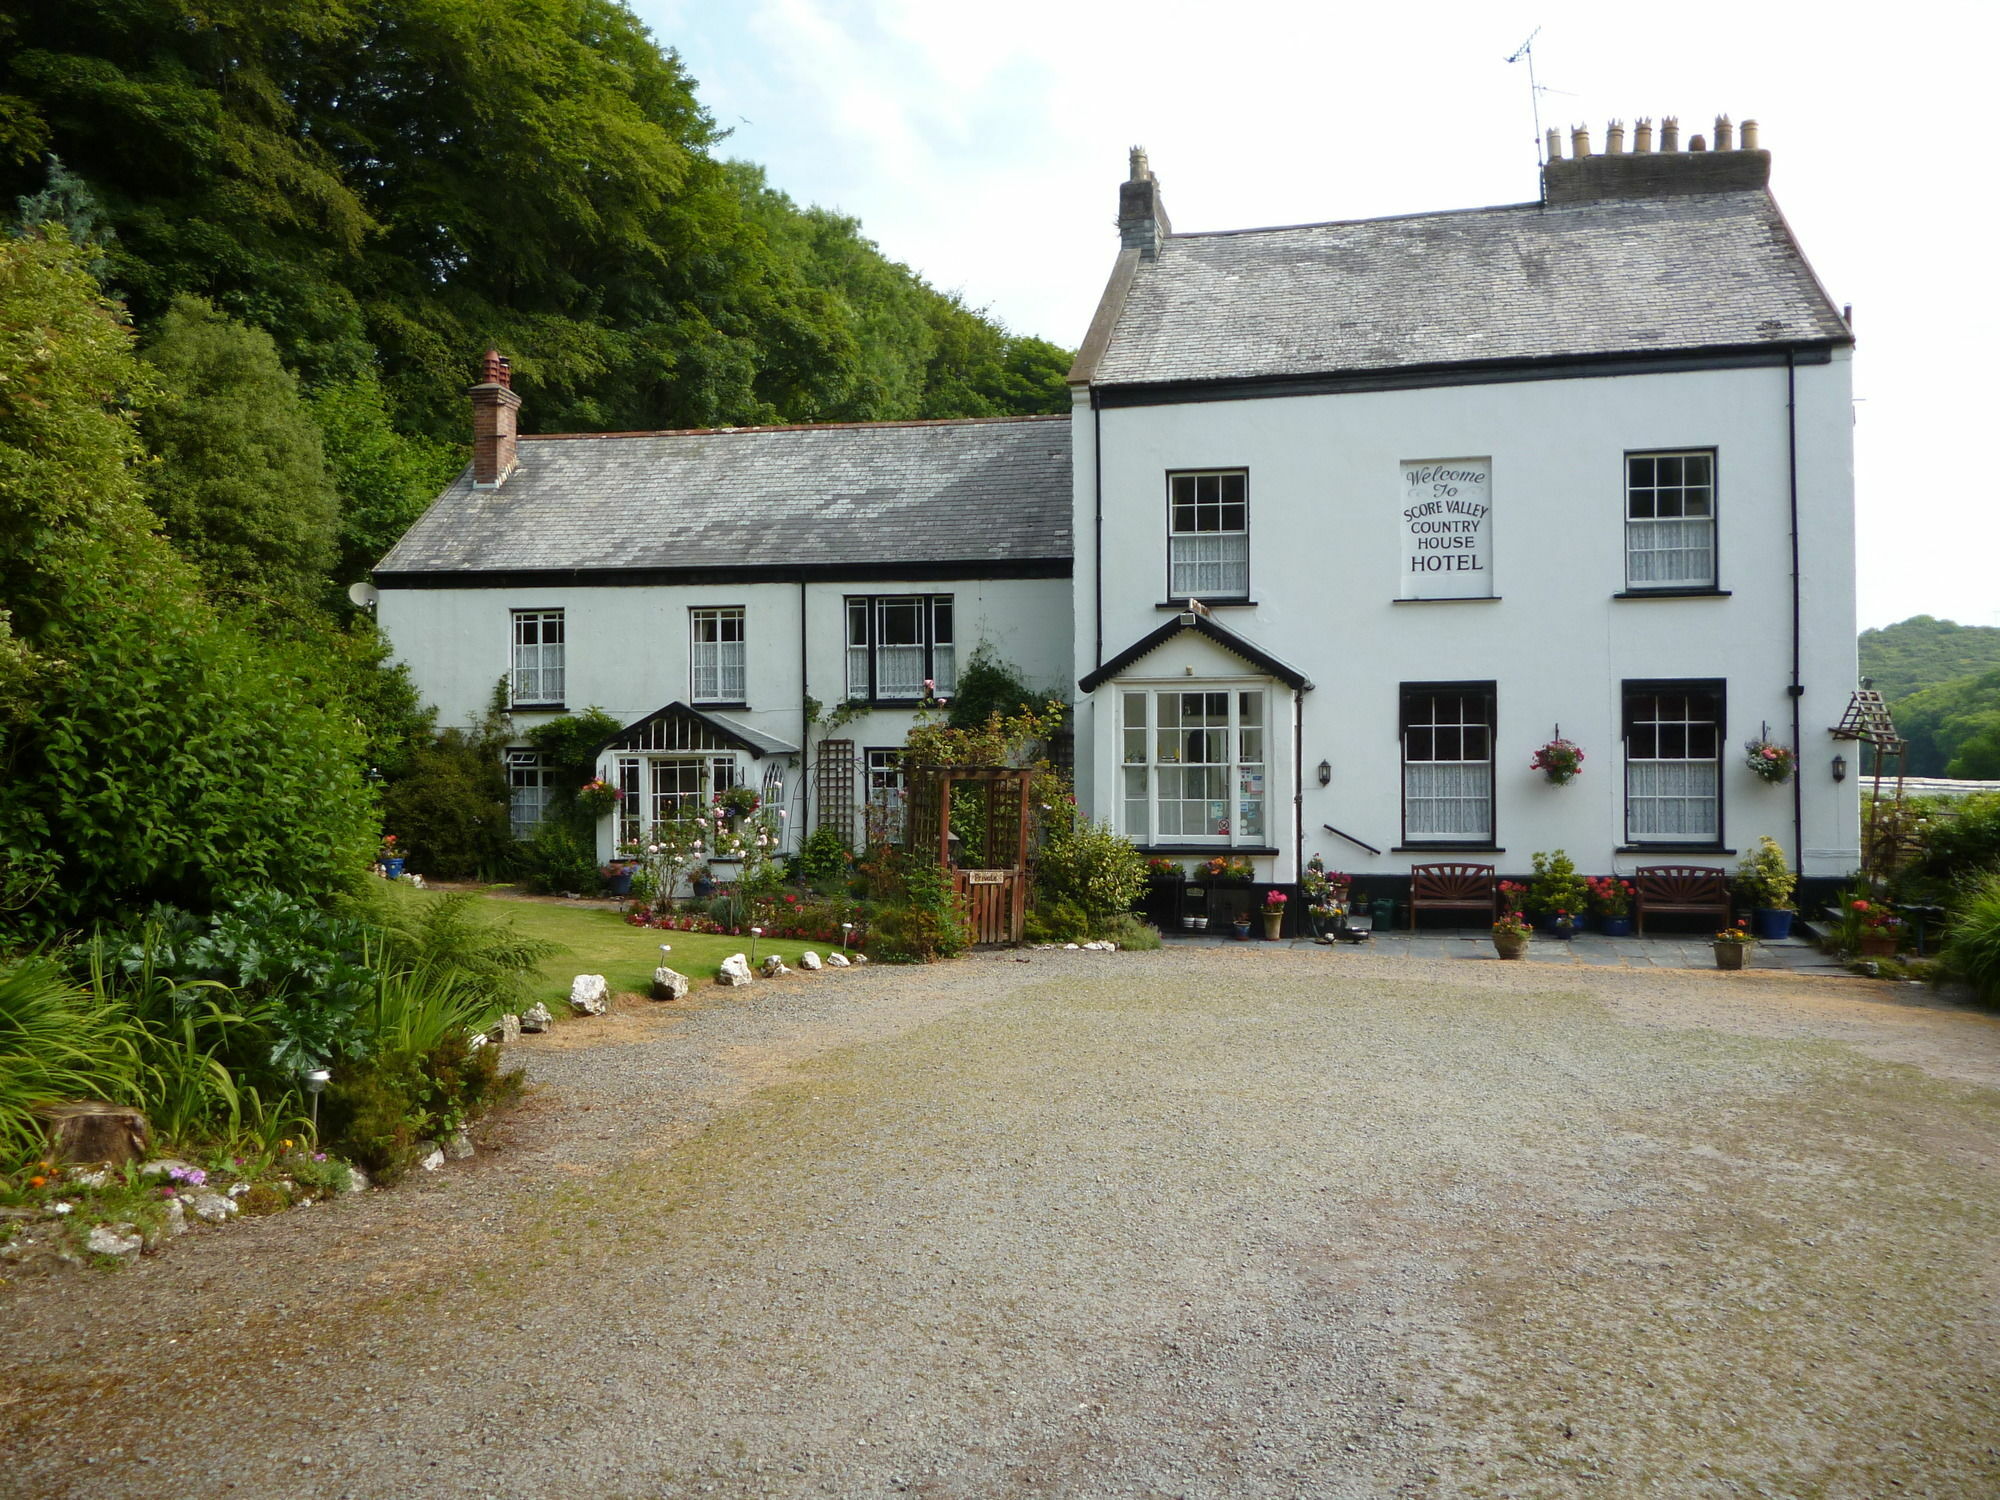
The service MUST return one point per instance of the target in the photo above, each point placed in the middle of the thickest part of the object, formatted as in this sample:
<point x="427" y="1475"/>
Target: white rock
<point x="809" y="961"/>
<point x="506" y="1029"/>
<point x="477" y="1040"/>
<point x="837" y="960"/>
<point x="774" y="965"/>
<point x="433" y="1159"/>
<point x="357" y="1180"/>
<point x="861" y="958"/>
<point x="735" y="971"/>
<point x="536" y="1018"/>
<point x="121" y="1240"/>
<point x="459" y="1147"/>
<point x="214" y="1208"/>
<point x="1069" y="947"/>
<point x="92" y="1178"/>
<point x="177" y="1218"/>
<point x="668" y="984"/>
<point x="589" y="995"/>
<point x="163" y="1165"/>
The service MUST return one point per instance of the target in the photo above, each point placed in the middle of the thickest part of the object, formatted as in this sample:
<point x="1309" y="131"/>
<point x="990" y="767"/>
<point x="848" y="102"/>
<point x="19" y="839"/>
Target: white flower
<point x="782" y="813"/>
<point x="61" y="1208"/>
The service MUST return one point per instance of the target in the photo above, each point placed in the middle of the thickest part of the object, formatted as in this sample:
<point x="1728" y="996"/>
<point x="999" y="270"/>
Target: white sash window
<point x="1673" y="766"/>
<point x="1670" y="520"/>
<point x="1194" y="767"/>
<point x="895" y="643"/>
<point x="537" y="676"/>
<point x="1208" y="535"/>
<point x="1448" y="763"/>
<point x="719" y="655"/>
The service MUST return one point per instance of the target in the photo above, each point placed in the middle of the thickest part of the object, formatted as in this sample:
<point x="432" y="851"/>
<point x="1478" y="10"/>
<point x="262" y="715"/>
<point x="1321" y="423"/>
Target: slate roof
<point x="1590" y="279"/>
<point x="992" y="491"/>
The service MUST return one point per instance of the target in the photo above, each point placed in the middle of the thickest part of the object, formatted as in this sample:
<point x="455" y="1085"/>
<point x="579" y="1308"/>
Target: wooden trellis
<point x="1868" y="721"/>
<point x="985" y="847"/>
<point x="834" y="786"/>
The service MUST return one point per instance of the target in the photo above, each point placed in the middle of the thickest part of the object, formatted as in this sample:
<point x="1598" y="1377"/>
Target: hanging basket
<point x="1560" y="760"/>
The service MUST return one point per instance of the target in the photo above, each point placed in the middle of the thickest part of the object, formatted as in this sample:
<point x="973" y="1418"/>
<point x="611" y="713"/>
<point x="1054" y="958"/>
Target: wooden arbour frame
<point x="991" y="875"/>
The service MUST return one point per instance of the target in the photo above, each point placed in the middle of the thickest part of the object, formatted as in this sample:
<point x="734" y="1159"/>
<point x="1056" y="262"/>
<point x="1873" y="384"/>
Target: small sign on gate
<point x="985" y="877"/>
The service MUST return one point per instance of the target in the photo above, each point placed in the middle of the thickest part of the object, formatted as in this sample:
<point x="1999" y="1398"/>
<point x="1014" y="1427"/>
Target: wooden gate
<point x="973" y="820"/>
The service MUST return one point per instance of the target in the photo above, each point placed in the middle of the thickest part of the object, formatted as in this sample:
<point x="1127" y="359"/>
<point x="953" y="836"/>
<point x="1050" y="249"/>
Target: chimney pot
<point x="1554" y="141"/>
<point x="1141" y="171"/>
<point x="1725" y="134"/>
<point x="1579" y="141"/>
<point x="1748" y="133"/>
<point x="495" y="421"/>
<point x="1614" y="138"/>
<point x="1670" y="133"/>
<point x="1696" y="143"/>
<point x="1642" y="134"/>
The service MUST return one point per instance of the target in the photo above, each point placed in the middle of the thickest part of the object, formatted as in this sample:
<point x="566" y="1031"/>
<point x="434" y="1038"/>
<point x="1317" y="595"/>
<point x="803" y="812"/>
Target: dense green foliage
<point x="988" y="687"/>
<point x="1555" y="887"/>
<point x="1923" y="651"/>
<point x="56" y="1043"/>
<point x="1972" y="947"/>
<point x="918" y="916"/>
<point x="1941" y="681"/>
<point x="1091" y="870"/>
<point x="238" y="477"/>
<point x="385" y="186"/>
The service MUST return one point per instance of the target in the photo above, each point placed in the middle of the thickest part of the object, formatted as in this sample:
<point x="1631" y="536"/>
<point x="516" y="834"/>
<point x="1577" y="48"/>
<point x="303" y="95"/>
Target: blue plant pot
<point x="1615" y="926"/>
<point x="1774" y="926"/>
<point x="619" y="883"/>
<point x="1556" y="928"/>
<point x="393" y="868"/>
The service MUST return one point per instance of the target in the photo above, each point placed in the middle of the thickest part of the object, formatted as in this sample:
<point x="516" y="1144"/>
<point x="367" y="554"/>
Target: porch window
<point x="1208" y="536"/>
<point x="661" y="788"/>
<point x="1673" y="746"/>
<point x="1670" y="520"/>
<point x="1447" y="733"/>
<point x="896" y="642"/>
<point x="1194" y="769"/>
<point x="528" y="779"/>
<point x="719" y="655"/>
<point x="538" y="658"/>
<point x="887" y="786"/>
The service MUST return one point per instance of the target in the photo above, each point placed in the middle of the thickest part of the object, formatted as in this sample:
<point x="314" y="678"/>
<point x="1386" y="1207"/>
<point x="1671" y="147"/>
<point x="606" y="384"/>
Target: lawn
<point x="603" y="942"/>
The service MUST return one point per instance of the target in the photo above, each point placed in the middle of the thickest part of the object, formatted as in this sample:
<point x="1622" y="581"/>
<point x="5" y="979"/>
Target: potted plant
<point x="1511" y="934"/>
<point x="1326" y="896"/>
<point x="1242" y="925"/>
<point x="1560" y="760"/>
<point x="1560" y="924"/>
<point x="1223" y="867"/>
<point x="1732" y="945"/>
<point x="598" y="797"/>
<point x="1556" y="890"/>
<point x="391" y="857"/>
<point x="1274" y="915"/>
<point x="618" y="877"/>
<point x="1770" y="760"/>
<point x="738" y="801"/>
<point x="1765" y="881"/>
<point x="1878" y="932"/>
<point x="1611" y="904"/>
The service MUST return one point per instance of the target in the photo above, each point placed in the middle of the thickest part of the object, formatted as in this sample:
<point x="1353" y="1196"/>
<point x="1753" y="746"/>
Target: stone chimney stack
<point x="494" y="408"/>
<point x="1668" y="172"/>
<point x="1142" y="217"/>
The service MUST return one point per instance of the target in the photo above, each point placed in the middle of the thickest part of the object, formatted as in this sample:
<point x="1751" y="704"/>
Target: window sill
<point x="1467" y="599"/>
<point x="1447" y="849"/>
<point x="1234" y="601"/>
<point x="536" y="708"/>
<point x="719" y="703"/>
<point x="1708" y="593"/>
<point x="1239" y="852"/>
<point x="1671" y="849"/>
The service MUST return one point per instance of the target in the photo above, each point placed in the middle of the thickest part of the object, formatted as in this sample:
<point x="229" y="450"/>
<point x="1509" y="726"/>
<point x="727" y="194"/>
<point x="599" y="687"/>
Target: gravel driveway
<point x="1212" y="1223"/>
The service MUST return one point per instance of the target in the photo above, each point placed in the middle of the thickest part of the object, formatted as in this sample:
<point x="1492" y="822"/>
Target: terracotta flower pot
<point x="1878" y="945"/>
<point x="1510" y="945"/>
<point x="1273" y="922"/>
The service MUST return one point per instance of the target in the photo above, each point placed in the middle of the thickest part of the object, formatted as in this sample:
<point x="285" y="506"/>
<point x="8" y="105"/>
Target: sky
<point x="983" y="146"/>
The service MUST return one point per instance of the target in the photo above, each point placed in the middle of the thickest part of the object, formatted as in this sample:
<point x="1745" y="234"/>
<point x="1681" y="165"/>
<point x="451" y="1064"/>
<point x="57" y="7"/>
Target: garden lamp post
<point x="316" y="1082"/>
<point x="755" y="933"/>
<point x="845" y="929"/>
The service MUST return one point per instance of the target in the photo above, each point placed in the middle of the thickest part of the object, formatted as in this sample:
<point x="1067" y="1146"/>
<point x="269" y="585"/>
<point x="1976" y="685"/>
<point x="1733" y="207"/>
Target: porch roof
<point x="1201" y="624"/>
<point x="641" y="734"/>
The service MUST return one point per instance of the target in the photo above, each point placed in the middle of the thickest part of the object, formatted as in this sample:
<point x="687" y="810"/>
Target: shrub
<point x="1972" y="947"/>
<point x="560" y="858"/>
<point x="824" y="854"/>
<point x="1128" y="932"/>
<point x="450" y="812"/>
<point x="1092" y="868"/>
<point x="987" y="687"/>
<point x="920" y="919"/>
<point x="1962" y="838"/>
<point x="1057" y="922"/>
<point x="1765" y="878"/>
<point x="1556" y="886"/>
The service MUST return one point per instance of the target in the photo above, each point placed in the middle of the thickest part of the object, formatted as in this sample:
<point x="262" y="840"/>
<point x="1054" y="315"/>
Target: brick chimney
<point x="1667" y="172"/>
<point x="1142" y="217"/>
<point x="494" y="405"/>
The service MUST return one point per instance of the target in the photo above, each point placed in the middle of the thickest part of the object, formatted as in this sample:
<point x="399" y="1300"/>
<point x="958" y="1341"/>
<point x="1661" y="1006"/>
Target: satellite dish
<point x="363" y="595"/>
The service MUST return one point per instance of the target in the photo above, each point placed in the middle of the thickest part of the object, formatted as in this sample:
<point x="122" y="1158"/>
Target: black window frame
<point x="872" y="609"/>
<point x="1653" y="687"/>
<point x="1625" y="518"/>
<point x="1490" y="691"/>
<point x="1240" y="471"/>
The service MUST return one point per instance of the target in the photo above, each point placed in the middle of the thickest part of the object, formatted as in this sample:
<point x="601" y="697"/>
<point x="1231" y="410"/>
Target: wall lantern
<point x="1325" y="773"/>
<point x="1840" y="768"/>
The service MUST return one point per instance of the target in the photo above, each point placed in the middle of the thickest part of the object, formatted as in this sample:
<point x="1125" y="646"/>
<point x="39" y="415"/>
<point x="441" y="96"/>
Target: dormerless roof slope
<point x="993" y="491"/>
<point x="1586" y="280"/>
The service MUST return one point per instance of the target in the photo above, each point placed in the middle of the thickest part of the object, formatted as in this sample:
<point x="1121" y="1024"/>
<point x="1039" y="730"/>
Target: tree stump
<point x="92" y="1132"/>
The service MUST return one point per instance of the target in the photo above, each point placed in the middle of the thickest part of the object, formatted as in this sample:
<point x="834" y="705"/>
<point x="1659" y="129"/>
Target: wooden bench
<point x="1452" y="888"/>
<point x="1680" y="890"/>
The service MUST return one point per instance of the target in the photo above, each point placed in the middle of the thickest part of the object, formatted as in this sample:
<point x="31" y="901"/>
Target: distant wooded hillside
<point x="1942" y="682"/>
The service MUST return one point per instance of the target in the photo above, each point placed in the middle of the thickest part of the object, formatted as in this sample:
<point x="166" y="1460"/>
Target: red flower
<point x="1860" y="906"/>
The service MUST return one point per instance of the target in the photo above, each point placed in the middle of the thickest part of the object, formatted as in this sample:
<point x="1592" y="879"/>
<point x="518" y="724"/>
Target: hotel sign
<point x="1446" y="521"/>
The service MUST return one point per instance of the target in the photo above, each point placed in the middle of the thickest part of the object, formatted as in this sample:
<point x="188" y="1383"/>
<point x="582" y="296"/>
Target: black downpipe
<point x="805" y="722"/>
<point x="1797" y="688"/>
<point x="1298" y="785"/>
